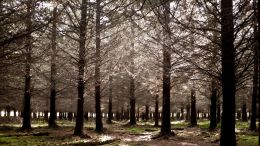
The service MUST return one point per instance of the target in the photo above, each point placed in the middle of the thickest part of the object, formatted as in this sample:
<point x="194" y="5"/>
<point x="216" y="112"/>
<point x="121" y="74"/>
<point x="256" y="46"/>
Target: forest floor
<point x="119" y="134"/>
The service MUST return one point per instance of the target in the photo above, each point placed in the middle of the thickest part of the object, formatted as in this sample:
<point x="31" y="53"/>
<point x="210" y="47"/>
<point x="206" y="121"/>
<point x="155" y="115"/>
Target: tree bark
<point x="99" y="124"/>
<point x="166" y="119"/>
<point x="52" y="118"/>
<point x="255" y="75"/>
<point x="244" y="112"/>
<point x="146" y="112"/>
<point x="81" y="64"/>
<point x="182" y="113"/>
<point x="213" y="106"/>
<point x="188" y="111"/>
<point x="258" y="48"/>
<point x="110" y="113"/>
<point x="156" y="113"/>
<point x="132" y="101"/>
<point x="132" y="82"/>
<point x="27" y="89"/>
<point x="193" y="118"/>
<point x="218" y="111"/>
<point x="227" y="136"/>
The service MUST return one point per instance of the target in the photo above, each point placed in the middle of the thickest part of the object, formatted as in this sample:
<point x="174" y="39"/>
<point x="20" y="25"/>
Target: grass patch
<point x="203" y="124"/>
<point x="135" y="130"/>
<point x="242" y="125"/>
<point x="247" y="140"/>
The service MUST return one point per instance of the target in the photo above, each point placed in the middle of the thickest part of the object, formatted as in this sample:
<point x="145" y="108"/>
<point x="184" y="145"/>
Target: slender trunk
<point x="146" y="112"/>
<point x="244" y="112"/>
<point x="52" y="118"/>
<point x="218" y="111"/>
<point x="156" y="113"/>
<point x="132" y="101"/>
<point x="228" y="136"/>
<point x="182" y="113"/>
<point x="27" y="90"/>
<point x="86" y="115"/>
<point x="81" y="64"/>
<point x="188" y="112"/>
<point x="258" y="47"/>
<point x="193" y="118"/>
<point x="110" y="113"/>
<point x="255" y="75"/>
<point x="213" y="106"/>
<point x="132" y="82"/>
<point x="166" y="120"/>
<point x="99" y="124"/>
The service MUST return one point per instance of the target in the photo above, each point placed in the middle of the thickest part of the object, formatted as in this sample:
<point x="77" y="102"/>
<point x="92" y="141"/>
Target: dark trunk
<point x="70" y="116"/>
<point x="86" y="116"/>
<point x="258" y="47"/>
<point x="182" y="113"/>
<point x="255" y="75"/>
<point x="228" y="136"/>
<point x="138" y="114"/>
<point x="27" y="90"/>
<point x="244" y="112"/>
<point x="166" y="121"/>
<point x="218" y="111"/>
<point x="156" y="113"/>
<point x="132" y="88"/>
<point x="193" y="118"/>
<point x="52" y="118"/>
<point x="81" y="64"/>
<point x="188" y="112"/>
<point x="99" y="124"/>
<point x="110" y="113"/>
<point x="213" y="107"/>
<point x="146" y="112"/>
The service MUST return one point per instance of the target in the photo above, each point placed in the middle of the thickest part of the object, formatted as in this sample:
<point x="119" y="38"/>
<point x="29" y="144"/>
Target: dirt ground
<point x="117" y="134"/>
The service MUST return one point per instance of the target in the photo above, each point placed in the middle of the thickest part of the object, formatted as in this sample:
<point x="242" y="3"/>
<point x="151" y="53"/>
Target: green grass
<point x="247" y="140"/>
<point x="242" y="125"/>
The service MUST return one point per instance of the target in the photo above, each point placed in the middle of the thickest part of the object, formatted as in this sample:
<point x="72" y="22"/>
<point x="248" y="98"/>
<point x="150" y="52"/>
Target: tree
<point x="213" y="106"/>
<point x="255" y="77"/>
<point x="166" y="122"/>
<point x="81" y="64"/>
<point x="99" y="125"/>
<point x="110" y="112"/>
<point x="193" y="117"/>
<point x="27" y="89"/>
<point x="52" y="118"/>
<point x="228" y="137"/>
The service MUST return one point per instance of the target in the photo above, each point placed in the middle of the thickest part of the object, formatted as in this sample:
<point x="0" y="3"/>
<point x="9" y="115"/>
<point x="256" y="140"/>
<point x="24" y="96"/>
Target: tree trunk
<point x="193" y="118"/>
<point x="227" y="136"/>
<point x="213" y="106"/>
<point x="156" y="113"/>
<point x="166" y="121"/>
<point x="132" y="101"/>
<point x="218" y="111"/>
<point x="81" y="64"/>
<point x="99" y="124"/>
<point x="244" y="112"/>
<point x="255" y="75"/>
<point x="52" y="118"/>
<point x="188" y="112"/>
<point x="146" y="112"/>
<point x="182" y="113"/>
<point x="258" y="47"/>
<point x="132" y="82"/>
<point x="27" y="90"/>
<point x="110" y="113"/>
